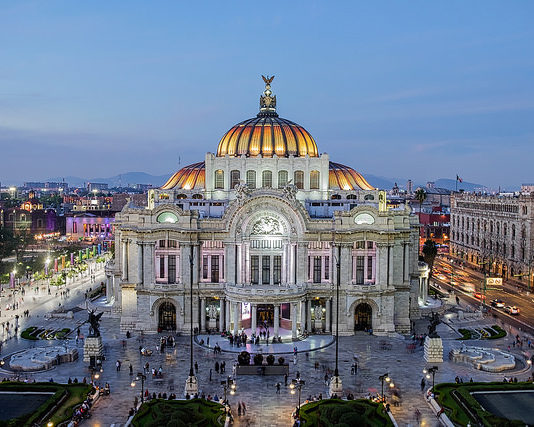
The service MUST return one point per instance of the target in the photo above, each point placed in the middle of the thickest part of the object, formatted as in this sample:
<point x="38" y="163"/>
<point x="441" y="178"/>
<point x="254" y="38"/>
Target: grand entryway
<point x="265" y="314"/>
<point x="167" y="317"/>
<point x="363" y="315"/>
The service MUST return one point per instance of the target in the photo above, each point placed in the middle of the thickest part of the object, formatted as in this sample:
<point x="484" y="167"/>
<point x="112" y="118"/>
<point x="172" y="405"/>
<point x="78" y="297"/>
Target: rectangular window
<point x="369" y="267"/>
<point x="215" y="268"/>
<point x="277" y="270"/>
<point x="161" y="267"/>
<point x="162" y="243"/>
<point x="370" y="244"/>
<point x="360" y="244"/>
<point x="317" y="269"/>
<point x="282" y="179"/>
<point x="172" y="269"/>
<point x="171" y="243"/>
<point x="327" y="268"/>
<point x="205" y="267"/>
<point x="314" y="180"/>
<point x="234" y="178"/>
<point x="251" y="179"/>
<point x="299" y="179"/>
<point x="359" y="270"/>
<point x="254" y="269"/>
<point x="265" y="270"/>
<point x="219" y="179"/>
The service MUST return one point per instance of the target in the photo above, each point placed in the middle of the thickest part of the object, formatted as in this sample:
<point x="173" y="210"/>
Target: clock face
<point x="364" y="218"/>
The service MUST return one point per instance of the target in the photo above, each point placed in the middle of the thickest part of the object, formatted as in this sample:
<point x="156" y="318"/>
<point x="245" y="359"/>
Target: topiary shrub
<point x="258" y="359"/>
<point x="243" y="358"/>
<point x="270" y="359"/>
<point x="281" y="360"/>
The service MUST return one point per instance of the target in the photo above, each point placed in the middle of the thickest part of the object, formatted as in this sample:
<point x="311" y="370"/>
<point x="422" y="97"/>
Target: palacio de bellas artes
<point x="266" y="232"/>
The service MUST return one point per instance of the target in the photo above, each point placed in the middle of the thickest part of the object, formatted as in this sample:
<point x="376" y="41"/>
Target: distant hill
<point x="382" y="182"/>
<point x="450" y="184"/>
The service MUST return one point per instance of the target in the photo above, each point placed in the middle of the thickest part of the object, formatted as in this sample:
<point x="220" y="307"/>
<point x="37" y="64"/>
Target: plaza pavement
<point x="376" y="355"/>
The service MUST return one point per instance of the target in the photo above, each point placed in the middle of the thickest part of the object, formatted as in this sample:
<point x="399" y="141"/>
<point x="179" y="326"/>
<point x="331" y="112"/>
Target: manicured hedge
<point x="344" y="413"/>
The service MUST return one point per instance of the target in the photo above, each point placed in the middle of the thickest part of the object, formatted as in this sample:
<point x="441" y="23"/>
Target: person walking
<point x="277" y="388"/>
<point x="423" y="383"/>
<point x="217" y="367"/>
<point x="285" y="380"/>
<point x="210" y="374"/>
<point x="131" y="369"/>
<point x="196" y="367"/>
<point x="244" y="408"/>
<point x="118" y="365"/>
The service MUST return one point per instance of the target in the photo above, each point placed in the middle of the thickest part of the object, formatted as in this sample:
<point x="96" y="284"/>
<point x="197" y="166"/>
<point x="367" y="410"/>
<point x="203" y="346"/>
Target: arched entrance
<point x="363" y="314"/>
<point x="167" y="317"/>
<point x="265" y="313"/>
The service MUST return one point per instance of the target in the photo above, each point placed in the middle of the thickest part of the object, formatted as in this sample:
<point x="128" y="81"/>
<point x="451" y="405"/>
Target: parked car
<point x="512" y="309"/>
<point x="499" y="303"/>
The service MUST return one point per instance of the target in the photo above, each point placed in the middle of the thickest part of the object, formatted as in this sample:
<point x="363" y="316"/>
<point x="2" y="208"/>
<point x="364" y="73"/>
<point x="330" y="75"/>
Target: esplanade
<point x="261" y="234"/>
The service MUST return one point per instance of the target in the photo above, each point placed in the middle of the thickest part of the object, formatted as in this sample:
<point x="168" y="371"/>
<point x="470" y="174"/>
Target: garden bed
<point x="336" y="412"/>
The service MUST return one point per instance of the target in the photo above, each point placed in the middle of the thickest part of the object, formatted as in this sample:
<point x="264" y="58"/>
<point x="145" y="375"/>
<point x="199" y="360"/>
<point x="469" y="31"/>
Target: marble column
<point x="391" y="250"/>
<point x="303" y="315"/>
<point x="109" y="289"/>
<point x="294" y="320"/>
<point x="253" y="320"/>
<point x="124" y="265"/>
<point x="222" y="306"/>
<point x="236" y="318"/>
<point x="308" y="316"/>
<point x="276" y="319"/>
<point x="140" y="263"/>
<point x="202" y="314"/>
<point x="227" y="316"/>
<point x="328" y="314"/>
<point x="406" y="252"/>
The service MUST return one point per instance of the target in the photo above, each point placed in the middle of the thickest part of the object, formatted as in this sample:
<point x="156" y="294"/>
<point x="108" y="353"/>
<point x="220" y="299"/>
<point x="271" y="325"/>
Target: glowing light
<point x="132" y="384"/>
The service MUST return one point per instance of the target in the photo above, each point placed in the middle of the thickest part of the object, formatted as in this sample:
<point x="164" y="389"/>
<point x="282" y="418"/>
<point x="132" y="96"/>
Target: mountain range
<point x="131" y="178"/>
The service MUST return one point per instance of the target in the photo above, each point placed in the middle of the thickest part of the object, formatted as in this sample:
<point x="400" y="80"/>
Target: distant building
<point x="98" y="186"/>
<point x="409" y="187"/>
<point x="33" y="185"/>
<point x="95" y="225"/>
<point x="430" y="184"/>
<point x="496" y="231"/>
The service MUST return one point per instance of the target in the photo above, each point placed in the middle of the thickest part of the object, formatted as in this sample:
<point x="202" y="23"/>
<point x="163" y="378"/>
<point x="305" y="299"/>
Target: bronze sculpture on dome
<point x="268" y="80"/>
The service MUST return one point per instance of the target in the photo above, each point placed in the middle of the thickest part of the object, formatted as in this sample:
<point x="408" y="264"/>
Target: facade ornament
<point x="212" y="312"/>
<point x="267" y="99"/>
<point x="290" y="192"/>
<point x="267" y="225"/>
<point x="242" y="192"/>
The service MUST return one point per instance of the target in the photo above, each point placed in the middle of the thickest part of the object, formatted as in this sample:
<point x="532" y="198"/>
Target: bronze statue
<point x="94" y="320"/>
<point x="434" y="322"/>
<point x="268" y="80"/>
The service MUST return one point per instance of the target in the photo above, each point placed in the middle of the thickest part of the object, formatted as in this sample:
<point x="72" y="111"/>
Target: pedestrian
<point x="355" y="368"/>
<point x="208" y="341"/>
<point x="244" y="408"/>
<point x="277" y="388"/>
<point x="118" y="365"/>
<point x="239" y="409"/>
<point x="196" y="367"/>
<point x="285" y="380"/>
<point x="423" y="383"/>
<point x="131" y="369"/>
<point x="217" y="367"/>
<point x="326" y="379"/>
<point x="210" y="374"/>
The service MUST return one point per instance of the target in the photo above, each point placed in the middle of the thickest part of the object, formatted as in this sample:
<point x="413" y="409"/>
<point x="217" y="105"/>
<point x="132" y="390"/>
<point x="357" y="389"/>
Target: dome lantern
<point x="267" y="100"/>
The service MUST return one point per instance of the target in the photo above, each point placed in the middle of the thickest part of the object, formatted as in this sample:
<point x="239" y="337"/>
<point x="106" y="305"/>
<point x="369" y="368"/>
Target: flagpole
<point x="456" y="183"/>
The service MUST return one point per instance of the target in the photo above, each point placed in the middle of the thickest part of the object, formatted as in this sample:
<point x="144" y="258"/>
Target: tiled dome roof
<point x="187" y="178"/>
<point x="342" y="177"/>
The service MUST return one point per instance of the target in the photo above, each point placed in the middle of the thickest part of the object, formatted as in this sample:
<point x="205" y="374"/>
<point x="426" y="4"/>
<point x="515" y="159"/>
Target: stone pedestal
<point x="191" y="386"/>
<point x="336" y="387"/>
<point x="93" y="347"/>
<point x="433" y="350"/>
<point x="212" y="324"/>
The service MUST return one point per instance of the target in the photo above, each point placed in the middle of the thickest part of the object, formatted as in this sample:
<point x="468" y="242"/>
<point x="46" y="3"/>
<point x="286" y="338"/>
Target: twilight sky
<point x="418" y="89"/>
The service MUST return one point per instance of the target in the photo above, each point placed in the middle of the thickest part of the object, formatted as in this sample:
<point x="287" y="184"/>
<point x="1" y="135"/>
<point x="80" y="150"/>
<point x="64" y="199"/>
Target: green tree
<point x="8" y="244"/>
<point x="420" y="195"/>
<point x="430" y="251"/>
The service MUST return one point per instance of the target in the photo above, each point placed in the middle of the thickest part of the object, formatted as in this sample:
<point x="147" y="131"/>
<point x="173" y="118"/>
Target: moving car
<point x="512" y="309"/>
<point x="499" y="303"/>
<point x="478" y="295"/>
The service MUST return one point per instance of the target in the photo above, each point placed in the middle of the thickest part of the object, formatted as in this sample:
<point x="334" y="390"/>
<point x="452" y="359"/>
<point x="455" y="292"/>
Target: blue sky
<point x="415" y="89"/>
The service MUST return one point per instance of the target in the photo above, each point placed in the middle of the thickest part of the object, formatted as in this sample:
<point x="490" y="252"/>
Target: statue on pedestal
<point x="94" y="320"/>
<point x="434" y="322"/>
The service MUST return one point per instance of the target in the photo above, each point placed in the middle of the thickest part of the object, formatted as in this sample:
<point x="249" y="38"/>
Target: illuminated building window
<point x="164" y="196"/>
<point x="254" y="269"/>
<point x="299" y="179"/>
<point x="235" y="176"/>
<point x="314" y="180"/>
<point x="219" y="179"/>
<point x="267" y="179"/>
<point x="251" y="179"/>
<point x="282" y="179"/>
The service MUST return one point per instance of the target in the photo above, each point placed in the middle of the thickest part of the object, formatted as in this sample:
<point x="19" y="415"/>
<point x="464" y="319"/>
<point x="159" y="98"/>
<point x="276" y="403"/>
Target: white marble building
<point x="263" y="231"/>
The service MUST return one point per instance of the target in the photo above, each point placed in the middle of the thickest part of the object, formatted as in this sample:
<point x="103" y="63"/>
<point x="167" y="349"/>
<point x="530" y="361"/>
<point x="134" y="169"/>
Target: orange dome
<point x="267" y="135"/>
<point x="187" y="178"/>
<point x="342" y="177"/>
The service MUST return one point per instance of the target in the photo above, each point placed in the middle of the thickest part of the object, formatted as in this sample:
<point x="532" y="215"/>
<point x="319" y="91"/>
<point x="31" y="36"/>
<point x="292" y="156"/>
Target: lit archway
<point x="167" y="317"/>
<point x="363" y="317"/>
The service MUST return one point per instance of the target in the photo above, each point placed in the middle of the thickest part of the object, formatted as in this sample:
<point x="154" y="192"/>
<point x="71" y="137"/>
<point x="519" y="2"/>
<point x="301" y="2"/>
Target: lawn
<point x="344" y="413"/>
<point x="75" y="394"/>
<point x="462" y="408"/>
<point x="176" y="413"/>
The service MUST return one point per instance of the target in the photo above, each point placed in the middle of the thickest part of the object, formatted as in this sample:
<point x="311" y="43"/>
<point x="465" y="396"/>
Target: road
<point x="466" y="282"/>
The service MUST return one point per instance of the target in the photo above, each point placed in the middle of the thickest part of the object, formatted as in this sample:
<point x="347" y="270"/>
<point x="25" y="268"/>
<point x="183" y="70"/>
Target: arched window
<point x="282" y="179"/>
<point x="336" y="196"/>
<point x="513" y="231"/>
<point x="251" y="179"/>
<point x="299" y="179"/>
<point x="266" y="179"/>
<point x="352" y="196"/>
<point x="219" y="179"/>
<point x="181" y="196"/>
<point x="314" y="180"/>
<point x="235" y="176"/>
<point x="197" y="196"/>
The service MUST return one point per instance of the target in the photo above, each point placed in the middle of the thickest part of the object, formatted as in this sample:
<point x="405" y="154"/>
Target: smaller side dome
<point x="342" y="177"/>
<point x="188" y="178"/>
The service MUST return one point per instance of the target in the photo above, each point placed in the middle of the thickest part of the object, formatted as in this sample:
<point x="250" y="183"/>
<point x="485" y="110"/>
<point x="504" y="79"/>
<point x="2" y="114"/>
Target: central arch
<point x="167" y="317"/>
<point x="363" y="317"/>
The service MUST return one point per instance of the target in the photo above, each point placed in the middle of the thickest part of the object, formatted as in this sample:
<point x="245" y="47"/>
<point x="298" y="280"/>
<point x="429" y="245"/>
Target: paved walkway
<point x="376" y="356"/>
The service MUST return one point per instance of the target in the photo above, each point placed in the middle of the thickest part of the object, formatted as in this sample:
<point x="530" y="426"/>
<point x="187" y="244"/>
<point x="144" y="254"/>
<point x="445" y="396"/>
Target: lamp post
<point x="142" y="377"/>
<point x="95" y="374"/>
<point x="387" y="379"/>
<point x="191" y="384"/>
<point x="296" y="386"/>
<point x="431" y="371"/>
<point x="228" y="384"/>
<point x="336" y="386"/>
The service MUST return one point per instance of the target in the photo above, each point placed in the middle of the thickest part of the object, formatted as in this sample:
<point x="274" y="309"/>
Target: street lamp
<point x="191" y="384"/>
<point x="336" y="386"/>
<point x="296" y="386"/>
<point x="142" y="377"/>
<point x="431" y="371"/>
<point x="228" y="384"/>
<point x="95" y="373"/>
<point x="384" y="379"/>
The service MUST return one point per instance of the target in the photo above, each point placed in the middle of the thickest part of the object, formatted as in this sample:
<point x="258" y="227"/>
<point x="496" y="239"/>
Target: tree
<point x="430" y="250"/>
<point x="8" y="244"/>
<point x="420" y="195"/>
